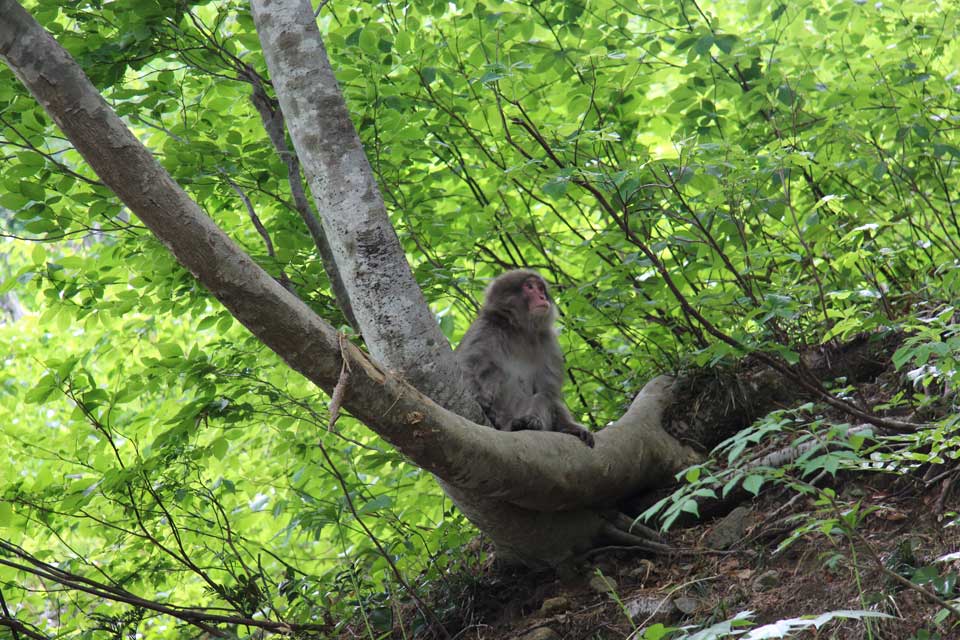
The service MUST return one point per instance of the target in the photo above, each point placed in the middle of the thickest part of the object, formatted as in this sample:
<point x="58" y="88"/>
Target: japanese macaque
<point x="512" y="360"/>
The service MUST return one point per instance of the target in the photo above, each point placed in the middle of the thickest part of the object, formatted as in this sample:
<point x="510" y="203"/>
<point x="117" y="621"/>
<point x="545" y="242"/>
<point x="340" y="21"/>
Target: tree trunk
<point x="398" y="327"/>
<point x="540" y="496"/>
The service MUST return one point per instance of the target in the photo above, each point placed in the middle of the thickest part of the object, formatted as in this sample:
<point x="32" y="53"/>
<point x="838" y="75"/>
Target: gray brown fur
<point x="513" y="363"/>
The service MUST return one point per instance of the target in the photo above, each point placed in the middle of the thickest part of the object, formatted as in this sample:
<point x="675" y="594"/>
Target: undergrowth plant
<point x="807" y="447"/>
<point x="800" y="454"/>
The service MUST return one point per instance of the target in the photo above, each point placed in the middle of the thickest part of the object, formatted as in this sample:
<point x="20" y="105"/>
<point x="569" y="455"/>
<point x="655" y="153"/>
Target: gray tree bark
<point x="540" y="496"/>
<point x="397" y="325"/>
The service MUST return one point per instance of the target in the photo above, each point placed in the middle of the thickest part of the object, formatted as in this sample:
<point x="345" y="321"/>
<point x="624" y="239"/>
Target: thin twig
<point x="336" y="398"/>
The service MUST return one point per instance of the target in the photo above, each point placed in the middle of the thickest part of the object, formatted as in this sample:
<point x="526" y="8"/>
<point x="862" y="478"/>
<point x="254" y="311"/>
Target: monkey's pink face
<point x="535" y="295"/>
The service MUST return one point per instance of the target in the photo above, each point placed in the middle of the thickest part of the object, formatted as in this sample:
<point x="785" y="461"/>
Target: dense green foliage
<point x="699" y="180"/>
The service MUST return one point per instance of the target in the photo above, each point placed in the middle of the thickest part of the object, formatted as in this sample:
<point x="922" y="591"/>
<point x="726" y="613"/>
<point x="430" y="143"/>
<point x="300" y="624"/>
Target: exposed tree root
<point x="621" y="530"/>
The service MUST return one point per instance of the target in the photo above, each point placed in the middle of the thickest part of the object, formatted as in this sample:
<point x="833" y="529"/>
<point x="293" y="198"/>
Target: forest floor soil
<point x="617" y="594"/>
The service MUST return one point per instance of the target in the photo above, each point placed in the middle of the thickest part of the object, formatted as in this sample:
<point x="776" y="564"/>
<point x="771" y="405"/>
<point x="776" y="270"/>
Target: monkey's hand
<point x="581" y="432"/>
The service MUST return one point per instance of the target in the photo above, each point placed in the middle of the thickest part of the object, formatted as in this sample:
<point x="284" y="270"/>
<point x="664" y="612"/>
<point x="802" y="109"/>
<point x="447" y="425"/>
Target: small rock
<point x="686" y="604"/>
<point x="729" y="530"/>
<point x="551" y="606"/>
<point x="541" y="633"/>
<point x="603" y="584"/>
<point x="650" y="610"/>
<point x="766" y="581"/>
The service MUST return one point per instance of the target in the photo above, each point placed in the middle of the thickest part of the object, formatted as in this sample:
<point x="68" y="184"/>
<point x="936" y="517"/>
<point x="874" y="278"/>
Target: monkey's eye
<point x="533" y="285"/>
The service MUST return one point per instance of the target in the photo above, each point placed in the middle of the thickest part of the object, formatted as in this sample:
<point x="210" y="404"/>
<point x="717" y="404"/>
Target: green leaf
<point x="753" y="483"/>
<point x="42" y="390"/>
<point x="657" y="632"/>
<point x="369" y="41"/>
<point x="379" y="503"/>
<point x="704" y="44"/>
<point x="726" y="42"/>
<point x="33" y="191"/>
<point x="556" y="187"/>
<point x="6" y="514"/>
<point x="220" y="447"/>
<point x="170" y="350"/>
<point x="690" y="506"/>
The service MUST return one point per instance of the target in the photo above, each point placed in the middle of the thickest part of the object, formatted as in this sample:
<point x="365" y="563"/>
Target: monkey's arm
<point x="545" y="412"/>
<point x="484" y="376"/>
<point x="566" y="424"/>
